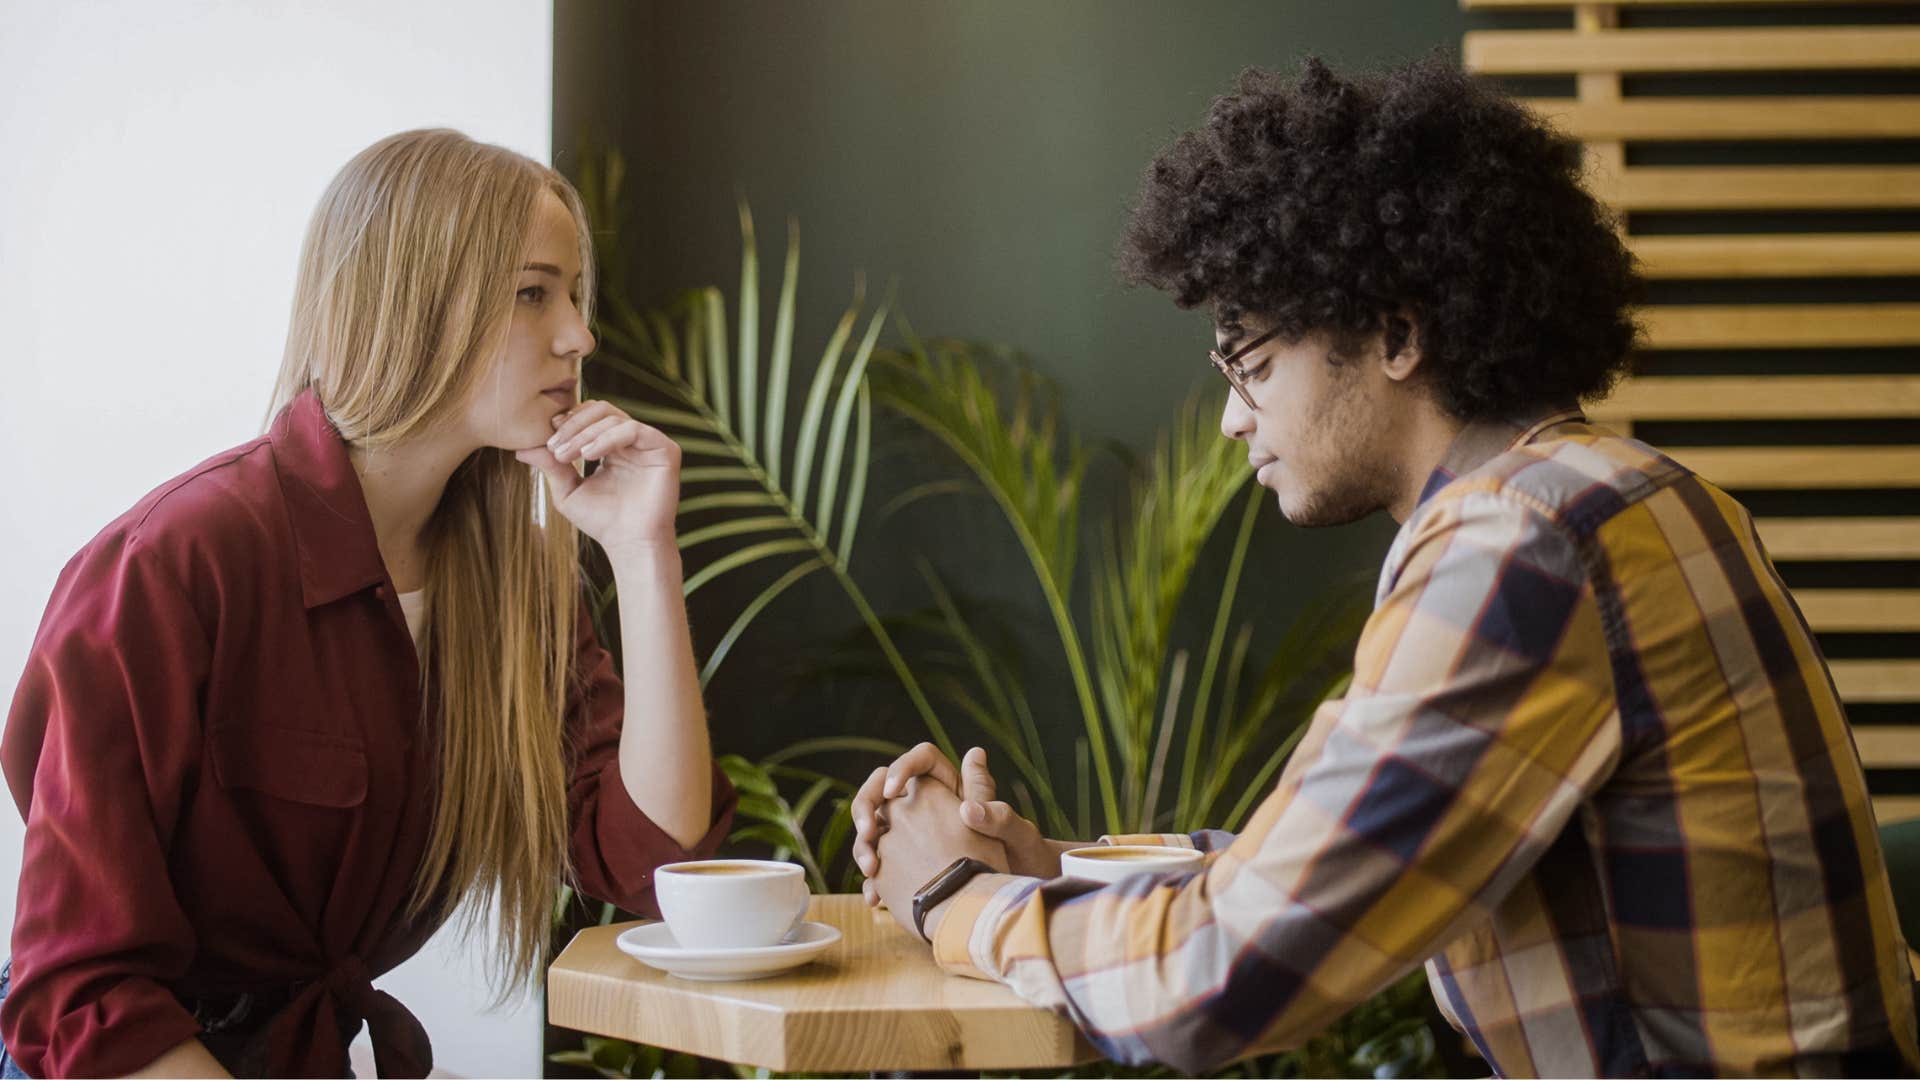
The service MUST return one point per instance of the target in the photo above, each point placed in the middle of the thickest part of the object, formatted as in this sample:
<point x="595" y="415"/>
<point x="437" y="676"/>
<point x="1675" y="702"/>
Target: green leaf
<point x="623" y="339"/>
<point x="697" y="362"/>
<point x="661" y="415"/>
<point x="927" y="490"/>
<point x="751" y="612"/>
<point x="715" y="474"/>
<point x="857" y="493"/>
<point x="749" y="337"/>
<point x="775" y="835"/>
<point x="803" y="806"/>
<point x="816" y="405"/>
<point x="745" y="775"/>
<point x="835" y="743"/>
<point x="838" y="830"/>
<point x="1008" y="701"/>
<point x="721" y="399"/>
<point x="1197" y="722"/>
<point x="1257" y="788"/>
<point x="706" y="448"/>
<point x="782" y="353"/>
<point x="760" y="807"/>
<point x="680" y="368"/>
<point x="842" y="413"/>
<point x="728" y="500"/>
<point x="669" y="345"/>
<point x="1176" y="502"/>
<point x="943" y="390"/>
<point x="746" y="556"/>
<point x="734" y="527"/>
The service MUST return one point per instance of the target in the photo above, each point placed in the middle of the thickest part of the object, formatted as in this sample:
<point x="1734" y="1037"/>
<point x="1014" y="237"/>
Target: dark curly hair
<point x="1330" y="205"/>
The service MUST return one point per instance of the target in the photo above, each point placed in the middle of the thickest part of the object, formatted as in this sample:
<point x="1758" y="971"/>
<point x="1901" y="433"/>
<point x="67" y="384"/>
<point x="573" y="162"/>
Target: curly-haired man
<point x="1591" y="769"/>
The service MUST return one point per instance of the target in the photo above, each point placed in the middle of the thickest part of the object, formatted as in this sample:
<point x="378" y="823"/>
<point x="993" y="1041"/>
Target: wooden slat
<point x="1780" y="326"/>
<point x="1860" y="611"/>
<point x="1761" y="397"/>
<point x="1796" y="48"/>
<point x="1786" y="255"/>
<point x="1840" y="538"/>
<point x="1887" y="117"/>
<point x="1760" y="187"/>
<point x="1877" y="680"/>
<point x="1888" y="746"/>
<point x="1778" y="468"/>
<point x="1888" y="809"/>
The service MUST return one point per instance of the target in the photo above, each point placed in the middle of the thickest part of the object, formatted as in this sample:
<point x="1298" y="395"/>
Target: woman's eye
<point x="532" y="294"/>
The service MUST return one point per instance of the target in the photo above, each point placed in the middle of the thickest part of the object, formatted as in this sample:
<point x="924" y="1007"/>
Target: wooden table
<point x="874" y="1002"/>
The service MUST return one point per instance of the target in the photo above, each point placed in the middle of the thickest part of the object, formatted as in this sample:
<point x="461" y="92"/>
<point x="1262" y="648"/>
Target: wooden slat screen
<point x="1782" y="351"/>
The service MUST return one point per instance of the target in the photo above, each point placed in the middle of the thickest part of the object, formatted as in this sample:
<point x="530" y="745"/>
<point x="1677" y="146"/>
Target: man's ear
<point x="1400" y="346"/>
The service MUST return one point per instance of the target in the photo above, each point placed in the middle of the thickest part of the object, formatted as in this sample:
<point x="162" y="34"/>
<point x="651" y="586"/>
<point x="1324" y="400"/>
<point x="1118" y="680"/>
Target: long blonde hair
<point x="403" y="301"/>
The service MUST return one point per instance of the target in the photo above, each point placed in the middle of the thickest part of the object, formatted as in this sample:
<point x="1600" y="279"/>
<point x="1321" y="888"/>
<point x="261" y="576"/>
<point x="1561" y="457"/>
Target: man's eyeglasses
<point x="1230" y="366"/>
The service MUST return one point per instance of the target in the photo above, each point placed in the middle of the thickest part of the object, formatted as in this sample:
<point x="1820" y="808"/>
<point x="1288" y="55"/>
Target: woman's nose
<point x="576" y="339"/>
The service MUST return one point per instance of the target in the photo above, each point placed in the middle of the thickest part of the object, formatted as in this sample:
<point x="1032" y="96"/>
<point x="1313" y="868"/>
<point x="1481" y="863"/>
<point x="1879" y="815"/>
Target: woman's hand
<point x="629" y="503"/>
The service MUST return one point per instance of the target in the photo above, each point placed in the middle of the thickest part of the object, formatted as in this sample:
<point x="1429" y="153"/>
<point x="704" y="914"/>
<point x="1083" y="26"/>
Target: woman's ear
<point x="1400" y="346"/>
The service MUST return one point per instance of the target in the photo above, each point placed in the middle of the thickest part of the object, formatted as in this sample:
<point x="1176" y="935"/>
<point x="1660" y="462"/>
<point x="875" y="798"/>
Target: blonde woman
<point x="310" y="699"/>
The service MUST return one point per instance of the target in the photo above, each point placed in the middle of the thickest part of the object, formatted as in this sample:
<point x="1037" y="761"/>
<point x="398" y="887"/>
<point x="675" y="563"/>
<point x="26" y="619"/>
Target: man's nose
<point x="1236" y="420"/>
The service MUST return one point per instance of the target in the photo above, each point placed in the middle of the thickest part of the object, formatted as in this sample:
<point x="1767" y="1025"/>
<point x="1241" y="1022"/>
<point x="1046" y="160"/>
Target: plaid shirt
<point x="1591" y="770"/>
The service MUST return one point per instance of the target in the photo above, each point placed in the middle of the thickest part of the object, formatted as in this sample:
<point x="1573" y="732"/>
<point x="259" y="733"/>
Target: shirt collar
<point x="1483" y="440"/>
<point x="332" y="529"/>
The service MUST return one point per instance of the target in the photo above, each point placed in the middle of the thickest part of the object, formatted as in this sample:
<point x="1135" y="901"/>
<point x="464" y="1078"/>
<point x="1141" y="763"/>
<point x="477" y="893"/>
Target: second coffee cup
<point x="1108" y="863"/>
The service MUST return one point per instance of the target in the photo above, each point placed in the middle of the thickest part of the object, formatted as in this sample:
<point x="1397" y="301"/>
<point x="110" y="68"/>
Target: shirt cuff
<point x="632" y="845"/>
<point x="125" y="1029"/>
<point x="963" y="942"/>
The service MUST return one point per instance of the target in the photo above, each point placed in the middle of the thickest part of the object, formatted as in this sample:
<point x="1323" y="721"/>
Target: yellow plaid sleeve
<point x="1480" y="716"/>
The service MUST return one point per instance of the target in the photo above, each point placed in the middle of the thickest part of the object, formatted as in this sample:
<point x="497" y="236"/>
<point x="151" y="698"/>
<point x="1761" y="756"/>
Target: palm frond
<point x="1032" y="472"/>
<point x="1187" y="485"/>
<point x="1310" y="664"/>
<point x="680" y="359"/>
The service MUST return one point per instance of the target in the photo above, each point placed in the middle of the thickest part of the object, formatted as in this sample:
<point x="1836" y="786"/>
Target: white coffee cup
<point x="731" y="903"/>
<point x="1108" y="863"/>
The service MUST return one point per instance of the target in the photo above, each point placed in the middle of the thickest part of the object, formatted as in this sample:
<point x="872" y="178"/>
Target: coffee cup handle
<point x="800" y="910"/>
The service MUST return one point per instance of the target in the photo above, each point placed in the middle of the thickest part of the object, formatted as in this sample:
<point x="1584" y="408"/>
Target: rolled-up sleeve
<point x="615" y="846"/>
<point x="102" y="740"/>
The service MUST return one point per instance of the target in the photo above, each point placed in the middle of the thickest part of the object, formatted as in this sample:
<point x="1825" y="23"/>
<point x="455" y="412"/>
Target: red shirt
<point x="218" y="749"/>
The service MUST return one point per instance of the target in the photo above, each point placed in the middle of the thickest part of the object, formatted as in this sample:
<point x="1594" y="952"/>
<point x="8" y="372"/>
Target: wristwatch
<point x="944" y="884"/>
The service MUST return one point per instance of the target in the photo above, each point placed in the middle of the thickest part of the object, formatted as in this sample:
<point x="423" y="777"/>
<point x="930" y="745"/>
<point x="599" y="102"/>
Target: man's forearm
<point x="665" y="758"/>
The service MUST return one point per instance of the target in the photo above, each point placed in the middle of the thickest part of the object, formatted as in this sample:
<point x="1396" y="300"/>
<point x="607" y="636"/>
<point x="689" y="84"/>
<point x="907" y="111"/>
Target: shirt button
<point x="380" y="591"/>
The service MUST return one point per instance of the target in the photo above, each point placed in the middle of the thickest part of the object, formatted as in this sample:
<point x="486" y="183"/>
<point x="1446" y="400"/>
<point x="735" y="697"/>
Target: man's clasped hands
<point x="916" y="816"/>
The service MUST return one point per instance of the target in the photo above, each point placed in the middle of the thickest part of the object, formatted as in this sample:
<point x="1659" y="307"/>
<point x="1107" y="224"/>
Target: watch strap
<point x="941" y="887"/>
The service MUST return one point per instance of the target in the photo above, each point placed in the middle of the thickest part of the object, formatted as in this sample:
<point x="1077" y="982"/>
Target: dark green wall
<point x="983" y="156"/>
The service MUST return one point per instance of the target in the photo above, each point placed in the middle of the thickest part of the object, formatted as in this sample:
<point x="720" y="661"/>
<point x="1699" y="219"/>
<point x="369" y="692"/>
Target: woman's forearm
<point x="189" y="1058"/>
<point x="665" y="758"/>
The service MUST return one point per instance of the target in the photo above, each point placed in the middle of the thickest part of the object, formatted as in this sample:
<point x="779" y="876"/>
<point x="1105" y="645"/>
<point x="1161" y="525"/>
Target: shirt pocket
<point x="311" y="767"/>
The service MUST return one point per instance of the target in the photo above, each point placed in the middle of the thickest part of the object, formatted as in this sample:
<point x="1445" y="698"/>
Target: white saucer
<point x="653" y="945"/>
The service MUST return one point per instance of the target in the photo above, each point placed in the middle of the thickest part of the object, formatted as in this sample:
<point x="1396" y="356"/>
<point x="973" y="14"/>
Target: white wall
<point x="157" y="165"/>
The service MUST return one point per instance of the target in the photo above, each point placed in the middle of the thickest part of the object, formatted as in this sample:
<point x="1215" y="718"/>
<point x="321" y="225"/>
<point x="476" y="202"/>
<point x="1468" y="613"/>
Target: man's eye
<point x="1258" y="371"/>
<point x="532" y="294"/>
